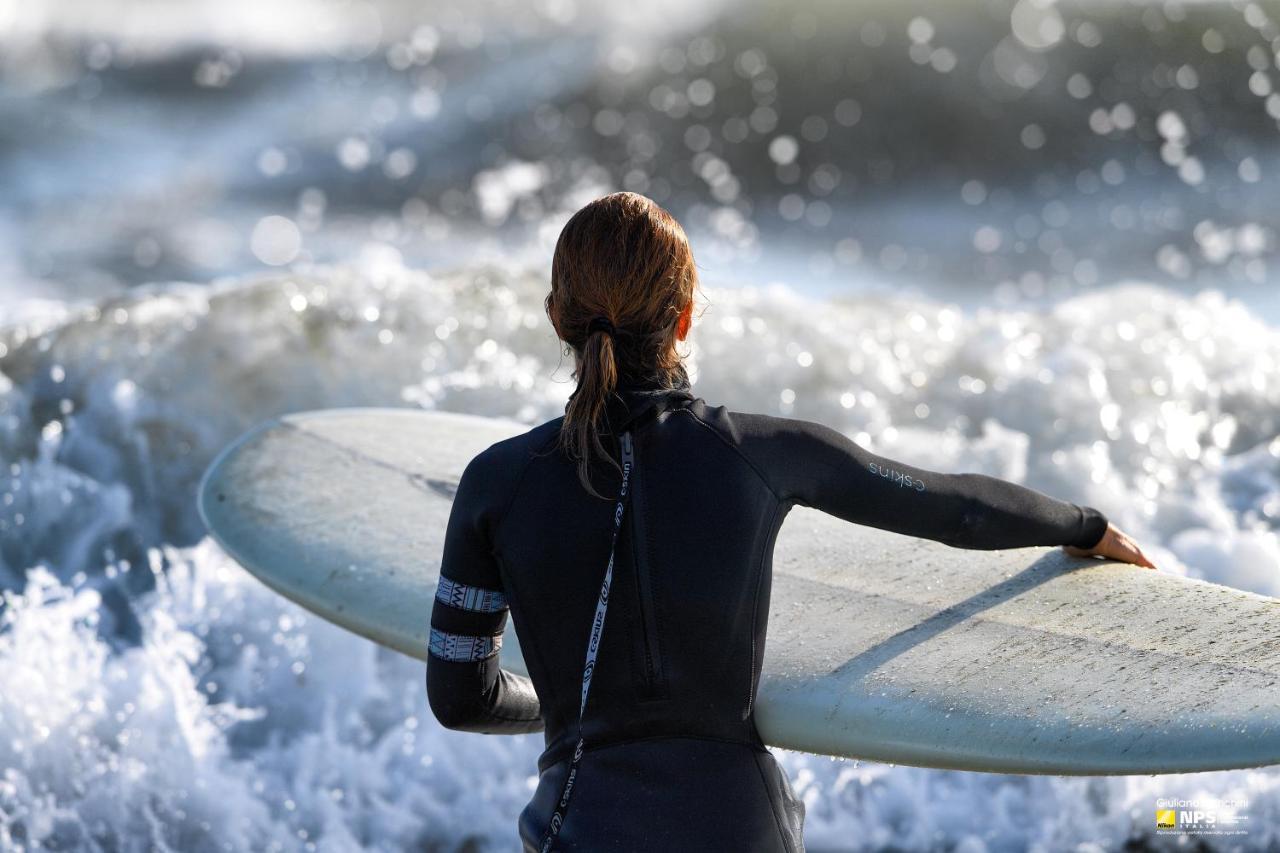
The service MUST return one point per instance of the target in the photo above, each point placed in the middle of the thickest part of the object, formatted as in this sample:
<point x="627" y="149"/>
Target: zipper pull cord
<point x="593" y="646"/>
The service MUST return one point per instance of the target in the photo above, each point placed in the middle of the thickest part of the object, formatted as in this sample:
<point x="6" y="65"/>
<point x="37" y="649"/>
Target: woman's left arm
<point x="466" y="686"/>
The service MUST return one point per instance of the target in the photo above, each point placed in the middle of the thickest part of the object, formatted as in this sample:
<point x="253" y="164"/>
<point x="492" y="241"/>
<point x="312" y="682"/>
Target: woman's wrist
<point x="1093" y="527"/>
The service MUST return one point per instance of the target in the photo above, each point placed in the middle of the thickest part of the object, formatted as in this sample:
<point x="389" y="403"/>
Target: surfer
<point x="667" y="745"/>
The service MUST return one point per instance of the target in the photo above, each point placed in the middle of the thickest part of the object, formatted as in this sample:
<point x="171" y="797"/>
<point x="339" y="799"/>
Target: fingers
<point x="1133" y="554"/>
<point x="1138" y="558"/>
<point x="1115" y="545"/>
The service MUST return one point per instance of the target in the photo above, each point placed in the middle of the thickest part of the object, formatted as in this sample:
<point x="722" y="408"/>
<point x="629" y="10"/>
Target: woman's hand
<point x="1115" y="545"/>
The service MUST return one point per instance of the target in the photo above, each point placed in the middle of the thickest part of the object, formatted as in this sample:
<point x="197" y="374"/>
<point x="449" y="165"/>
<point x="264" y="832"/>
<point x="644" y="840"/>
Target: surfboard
<point x="880" y="646"/>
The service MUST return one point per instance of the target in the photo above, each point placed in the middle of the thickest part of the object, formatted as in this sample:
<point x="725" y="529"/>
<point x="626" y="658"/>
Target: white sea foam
<point x="157" y="696"/>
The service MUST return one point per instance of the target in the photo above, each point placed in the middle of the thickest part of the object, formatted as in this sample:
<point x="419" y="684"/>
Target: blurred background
<point x="1034" y="239"/>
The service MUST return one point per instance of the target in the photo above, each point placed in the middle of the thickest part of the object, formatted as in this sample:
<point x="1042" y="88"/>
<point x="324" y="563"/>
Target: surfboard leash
<point x="593" y="647"/>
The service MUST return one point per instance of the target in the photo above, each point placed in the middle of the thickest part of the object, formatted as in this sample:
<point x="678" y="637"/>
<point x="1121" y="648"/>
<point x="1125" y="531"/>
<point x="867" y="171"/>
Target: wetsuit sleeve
<point x="466" y="686"/>
<point x="814" y="465"/>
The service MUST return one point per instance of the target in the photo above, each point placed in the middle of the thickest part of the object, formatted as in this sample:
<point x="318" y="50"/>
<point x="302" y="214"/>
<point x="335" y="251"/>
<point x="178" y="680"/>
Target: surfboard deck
<point x="1019" y="661"/>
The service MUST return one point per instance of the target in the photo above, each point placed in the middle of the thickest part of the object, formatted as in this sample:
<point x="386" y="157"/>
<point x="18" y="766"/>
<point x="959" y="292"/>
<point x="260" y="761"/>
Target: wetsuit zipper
<point x="644" y="590"/>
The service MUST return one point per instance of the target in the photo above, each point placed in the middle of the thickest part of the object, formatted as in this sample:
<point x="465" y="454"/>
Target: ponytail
<point x="622" y="257"/>
<point x="597" y="380"/>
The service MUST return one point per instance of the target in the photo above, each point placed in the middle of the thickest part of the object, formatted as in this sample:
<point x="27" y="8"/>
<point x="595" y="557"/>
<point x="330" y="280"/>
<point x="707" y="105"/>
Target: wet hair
<point x="622" y="261"/>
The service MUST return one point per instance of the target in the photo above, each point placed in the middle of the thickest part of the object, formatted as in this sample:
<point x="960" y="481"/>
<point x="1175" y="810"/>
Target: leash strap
<point x="593" y="647"/>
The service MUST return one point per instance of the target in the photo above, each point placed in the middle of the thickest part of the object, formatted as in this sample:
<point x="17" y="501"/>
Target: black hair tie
<point x="600" y="324"/>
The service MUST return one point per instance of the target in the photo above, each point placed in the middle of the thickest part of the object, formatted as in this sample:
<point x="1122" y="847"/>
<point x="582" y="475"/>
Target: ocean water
<point x="159" y="696"/>
<point x="1033" y="240"/>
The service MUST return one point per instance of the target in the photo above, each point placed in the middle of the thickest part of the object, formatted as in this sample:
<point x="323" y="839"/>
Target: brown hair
<point x="623" y="258"/>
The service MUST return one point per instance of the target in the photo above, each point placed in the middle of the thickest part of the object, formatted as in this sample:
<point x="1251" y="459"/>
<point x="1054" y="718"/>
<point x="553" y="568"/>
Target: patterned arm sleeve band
<point x="460" y="647"/>
<point x="467" y="647"/>
<point x="467" y="597"/>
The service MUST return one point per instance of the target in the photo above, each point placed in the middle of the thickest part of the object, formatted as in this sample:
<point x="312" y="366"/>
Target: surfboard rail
<point x="1020" y="661"/>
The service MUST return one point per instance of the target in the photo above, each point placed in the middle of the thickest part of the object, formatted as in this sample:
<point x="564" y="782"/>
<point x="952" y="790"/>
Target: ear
<point x="686" y="319"/>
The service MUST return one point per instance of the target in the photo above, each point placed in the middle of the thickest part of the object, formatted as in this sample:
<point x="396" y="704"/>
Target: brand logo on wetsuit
<point x="898" y="477"/>
<point x="596" y="627"/>
<point x="573" y="774"/>
<point x="626" y="481"/>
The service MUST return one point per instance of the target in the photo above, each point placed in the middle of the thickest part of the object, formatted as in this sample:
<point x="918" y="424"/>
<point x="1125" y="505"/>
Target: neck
<point x="676" y="380"/>
<point x="633" y="393"/>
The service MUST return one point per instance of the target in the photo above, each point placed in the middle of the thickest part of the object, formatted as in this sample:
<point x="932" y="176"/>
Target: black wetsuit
<point x="673" y="759"/>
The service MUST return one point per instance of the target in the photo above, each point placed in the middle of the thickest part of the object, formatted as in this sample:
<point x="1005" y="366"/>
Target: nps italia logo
<point x="1201" y="816"/>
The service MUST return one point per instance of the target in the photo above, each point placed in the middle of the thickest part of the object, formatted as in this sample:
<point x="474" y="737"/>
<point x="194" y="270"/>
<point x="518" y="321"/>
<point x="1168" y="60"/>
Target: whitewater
<point x="1030" y="239"/>
<point x="158" y="697"/>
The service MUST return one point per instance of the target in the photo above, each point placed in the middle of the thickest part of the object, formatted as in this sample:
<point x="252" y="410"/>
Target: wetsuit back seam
<point x="737" y="450"/>
<point x="519" y="481"/>
<point x="755" y="609"/>
<point x="505" y="574"/>
<point x="783" y="835"/>
<point x="496" y="552"/>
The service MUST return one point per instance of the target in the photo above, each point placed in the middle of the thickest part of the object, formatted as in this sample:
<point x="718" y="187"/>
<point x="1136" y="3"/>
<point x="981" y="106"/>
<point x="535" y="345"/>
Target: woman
<point x="684" y="500"/>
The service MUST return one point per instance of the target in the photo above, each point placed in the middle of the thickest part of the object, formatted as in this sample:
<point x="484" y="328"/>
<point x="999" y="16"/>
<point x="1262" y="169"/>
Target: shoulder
<point x="525" y="444"/>
<point x="762" y="441"/>
<point x="777" y="446"/>
<point x="494" y="472"/>
<point x="740" y="427"/>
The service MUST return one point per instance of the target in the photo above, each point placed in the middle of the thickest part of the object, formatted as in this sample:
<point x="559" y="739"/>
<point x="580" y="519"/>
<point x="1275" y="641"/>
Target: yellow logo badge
<point x="1166" y="819"/>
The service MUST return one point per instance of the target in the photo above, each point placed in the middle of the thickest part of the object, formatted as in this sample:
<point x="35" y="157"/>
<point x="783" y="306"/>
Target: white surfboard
<point x="880" y="646"/>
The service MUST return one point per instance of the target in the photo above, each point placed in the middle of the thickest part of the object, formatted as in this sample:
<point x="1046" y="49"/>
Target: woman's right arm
<point x="813" y="465"/>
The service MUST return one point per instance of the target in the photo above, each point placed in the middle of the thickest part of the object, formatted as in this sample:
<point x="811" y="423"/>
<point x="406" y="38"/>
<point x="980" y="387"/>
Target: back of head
<point x="624" y="259"/>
